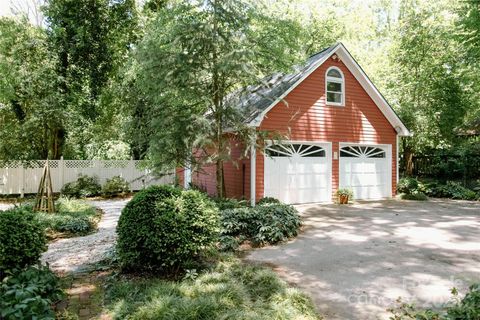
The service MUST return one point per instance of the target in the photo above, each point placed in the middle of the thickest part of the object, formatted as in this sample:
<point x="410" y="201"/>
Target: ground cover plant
<point x="228" y="289"/>
<point x="413" y="189"/>
<point x="269" y="222"/>
<point x="466" y="308"/>
<point x="73" y="217"/>
<point x="29" y="294"/>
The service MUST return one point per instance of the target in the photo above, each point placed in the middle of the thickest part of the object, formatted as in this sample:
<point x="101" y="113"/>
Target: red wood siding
<point x="308" y="118"/>
<point x="233" y="174"/>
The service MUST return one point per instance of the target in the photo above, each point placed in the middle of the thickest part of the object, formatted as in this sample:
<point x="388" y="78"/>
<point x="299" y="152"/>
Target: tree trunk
<point x="219" y="176"/>
<point x="408" y="159"/>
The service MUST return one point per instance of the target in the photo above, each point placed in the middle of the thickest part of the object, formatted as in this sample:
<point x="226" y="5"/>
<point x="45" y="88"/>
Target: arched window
<point x="335" y="87"/>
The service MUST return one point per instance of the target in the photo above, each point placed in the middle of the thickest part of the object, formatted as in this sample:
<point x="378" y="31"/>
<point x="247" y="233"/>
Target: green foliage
<point x="229" y="290"/>
<point x="85" y="186"/>
<point x="464" y="309"/>
<point x="29" y="294"/>
<point x="73" y="218"/>
<point x="407" y="185"/>
<point x="264" y="224"/>
<point x="115" y="186"/>
<point x="344" y="192"/>
<point x="229" y="203"/>
<point x="411" y="189"/>
<point x="416" y="195"/>
<point x="165" y="228"/>
<point x="268" y="200"/>
<point x="22" y="240"/>
<point x="451" y="189"/>
<point x="208" y="49"/>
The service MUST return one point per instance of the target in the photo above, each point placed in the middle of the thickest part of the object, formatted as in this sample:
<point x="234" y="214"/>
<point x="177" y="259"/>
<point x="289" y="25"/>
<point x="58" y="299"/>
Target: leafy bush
<point x="268" y="200"/>
<point x="29" y="294"/>
<point x="85" y="186"/>
<point x="229" y="203"/>
<point x="466" y="308"/>
<point x="22" y="240"/>
<point x="453" y="190"/>
<point x="264" y="224"/>
<point x="165" y="228"/>
<point x="418" y="196"/>
<point x="407" y="185"/>
<point x="115" y="186"/>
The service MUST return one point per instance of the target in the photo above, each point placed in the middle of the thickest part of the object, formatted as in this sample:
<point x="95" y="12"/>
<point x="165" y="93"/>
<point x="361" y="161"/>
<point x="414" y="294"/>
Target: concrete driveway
<point x="356" y="260"/>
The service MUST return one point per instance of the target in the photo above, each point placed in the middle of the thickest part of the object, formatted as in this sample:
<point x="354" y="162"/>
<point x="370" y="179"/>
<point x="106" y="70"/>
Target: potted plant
<point x="343" y="195"/>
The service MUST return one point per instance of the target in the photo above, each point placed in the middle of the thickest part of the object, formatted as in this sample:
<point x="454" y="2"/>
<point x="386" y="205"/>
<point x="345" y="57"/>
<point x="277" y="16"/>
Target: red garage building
<point x="341" y="133"/>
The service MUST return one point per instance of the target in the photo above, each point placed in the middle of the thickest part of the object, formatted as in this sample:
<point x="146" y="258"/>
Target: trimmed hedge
<point x="22" y="239"/>
<point x="164" y="228"/>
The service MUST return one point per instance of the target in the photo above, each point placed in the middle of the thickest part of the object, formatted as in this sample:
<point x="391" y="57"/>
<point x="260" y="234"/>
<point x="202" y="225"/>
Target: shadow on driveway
<point x="356" y="260"/>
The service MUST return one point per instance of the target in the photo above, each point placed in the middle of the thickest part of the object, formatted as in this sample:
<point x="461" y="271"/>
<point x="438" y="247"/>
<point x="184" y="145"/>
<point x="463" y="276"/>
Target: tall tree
<point x="91" y="39"/>
<point x="31" y="115"/>
<point x="192" y="58"/>
<point x="425" y="81"/>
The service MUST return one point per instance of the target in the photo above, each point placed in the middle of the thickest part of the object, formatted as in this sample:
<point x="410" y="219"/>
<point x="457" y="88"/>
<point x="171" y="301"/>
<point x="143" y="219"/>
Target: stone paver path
<point x="5" y="206"/>
<point x="75" y="254"/>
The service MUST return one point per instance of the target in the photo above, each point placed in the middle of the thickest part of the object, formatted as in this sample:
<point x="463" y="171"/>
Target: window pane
<point x="334" y="73"/>
<point x="334" y="86"/>
<point x="334" y="97"/>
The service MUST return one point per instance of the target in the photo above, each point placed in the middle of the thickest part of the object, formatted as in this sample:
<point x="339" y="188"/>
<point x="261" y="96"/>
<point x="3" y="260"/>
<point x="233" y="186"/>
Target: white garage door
<point x="298" y="173"/>
<point x="366" y="170"/>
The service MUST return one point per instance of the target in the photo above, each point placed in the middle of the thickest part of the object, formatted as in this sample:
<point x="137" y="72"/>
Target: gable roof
<point x="262" y="98"/>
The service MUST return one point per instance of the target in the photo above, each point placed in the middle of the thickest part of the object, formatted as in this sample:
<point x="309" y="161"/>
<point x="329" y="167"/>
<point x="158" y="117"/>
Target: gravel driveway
<point x="355" y="260"/>
<point x="74" y="254"/>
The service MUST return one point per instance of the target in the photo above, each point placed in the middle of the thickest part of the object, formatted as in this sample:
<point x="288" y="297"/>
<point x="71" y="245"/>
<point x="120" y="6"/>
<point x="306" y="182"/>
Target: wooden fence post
<point x="22" y="179"/>
<point x="61" y="165"/>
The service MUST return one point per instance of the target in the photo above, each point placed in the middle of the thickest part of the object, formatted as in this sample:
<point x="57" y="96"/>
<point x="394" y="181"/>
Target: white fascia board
<point x="258" y="120"/>
<point x="361" y="77"/>
<point x="372" y="91"/>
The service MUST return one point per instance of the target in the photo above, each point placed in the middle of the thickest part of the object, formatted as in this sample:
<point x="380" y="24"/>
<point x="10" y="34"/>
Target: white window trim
<point x="336" y="80"/>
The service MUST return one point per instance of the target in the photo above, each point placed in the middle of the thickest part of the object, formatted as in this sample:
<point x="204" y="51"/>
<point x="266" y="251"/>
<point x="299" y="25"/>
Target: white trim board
<point x="361" y="77"/>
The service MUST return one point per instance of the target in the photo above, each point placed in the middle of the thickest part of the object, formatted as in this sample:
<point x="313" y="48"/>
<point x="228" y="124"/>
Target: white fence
<point x="23" y="177"/>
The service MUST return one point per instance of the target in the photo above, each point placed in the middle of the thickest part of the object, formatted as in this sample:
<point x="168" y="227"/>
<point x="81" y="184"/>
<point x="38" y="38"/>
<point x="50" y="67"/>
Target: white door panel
<point x="298" y="172"/>
<point x="366" y="170"/>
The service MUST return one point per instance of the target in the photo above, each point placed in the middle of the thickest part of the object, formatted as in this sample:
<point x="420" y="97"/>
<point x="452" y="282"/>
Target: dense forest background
<point x="119" y="79"/>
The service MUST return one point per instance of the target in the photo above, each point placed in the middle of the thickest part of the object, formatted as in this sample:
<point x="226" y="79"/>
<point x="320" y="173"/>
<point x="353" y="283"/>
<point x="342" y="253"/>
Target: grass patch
<point x="72" y="218"/>
<point x="228" y="290"/>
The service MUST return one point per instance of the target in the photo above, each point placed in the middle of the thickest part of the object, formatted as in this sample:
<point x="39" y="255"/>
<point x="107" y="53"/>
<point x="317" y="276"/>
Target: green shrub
<point x="22" y="240"/>
<point x="85" y="186"/>
<point x="29" y="294"/>
<point x="467" y="308"/>
<point x="264" y="224"/>
<point x="165" y="228"/>
<point x="268" y="200"/>
<point x="407" y="185"/>
<point x="452" y="190"/>
<point x="418" y="196"/>
<point x="115" y="186"/>
<point x="229" y="203"/>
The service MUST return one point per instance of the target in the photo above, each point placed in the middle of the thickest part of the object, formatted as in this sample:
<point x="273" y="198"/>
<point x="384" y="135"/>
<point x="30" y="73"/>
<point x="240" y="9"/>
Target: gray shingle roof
<point x="255" y="99"/>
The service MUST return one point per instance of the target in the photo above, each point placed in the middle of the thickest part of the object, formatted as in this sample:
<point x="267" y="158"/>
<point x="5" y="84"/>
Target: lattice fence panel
<point x="17" y="177"/>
